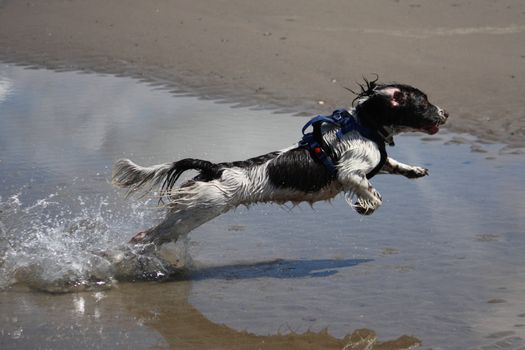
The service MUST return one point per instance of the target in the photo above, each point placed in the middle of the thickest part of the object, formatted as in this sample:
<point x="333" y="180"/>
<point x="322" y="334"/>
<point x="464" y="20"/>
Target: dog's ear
<point x="394" y="94"/>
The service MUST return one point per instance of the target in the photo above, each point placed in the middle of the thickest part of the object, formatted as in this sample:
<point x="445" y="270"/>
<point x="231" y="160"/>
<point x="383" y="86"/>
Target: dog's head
<point x="400" y="107"/>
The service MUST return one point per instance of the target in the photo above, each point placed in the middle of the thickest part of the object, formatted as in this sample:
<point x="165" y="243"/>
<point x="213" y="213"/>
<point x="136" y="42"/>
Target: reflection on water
<point x="441" y="260"/>
<point x="148" y="316"/>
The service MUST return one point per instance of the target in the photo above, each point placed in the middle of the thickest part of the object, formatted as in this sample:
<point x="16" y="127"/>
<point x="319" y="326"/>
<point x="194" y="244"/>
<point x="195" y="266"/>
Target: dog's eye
<point x="420" y="103"/>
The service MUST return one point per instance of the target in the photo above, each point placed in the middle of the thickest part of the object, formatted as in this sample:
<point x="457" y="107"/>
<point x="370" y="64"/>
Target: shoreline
<point x="289" y="57"/>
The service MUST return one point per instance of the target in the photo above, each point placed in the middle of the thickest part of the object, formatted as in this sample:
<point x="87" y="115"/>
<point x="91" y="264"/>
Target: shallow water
<point x="442" y="260"/>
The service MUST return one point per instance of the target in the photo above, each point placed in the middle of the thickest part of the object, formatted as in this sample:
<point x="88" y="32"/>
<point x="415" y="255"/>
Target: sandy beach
<point x="292" y="55"/>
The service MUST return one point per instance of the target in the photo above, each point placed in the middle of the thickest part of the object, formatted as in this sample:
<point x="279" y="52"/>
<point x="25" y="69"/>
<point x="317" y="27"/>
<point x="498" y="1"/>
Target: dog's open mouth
<point x="432" y="129"/>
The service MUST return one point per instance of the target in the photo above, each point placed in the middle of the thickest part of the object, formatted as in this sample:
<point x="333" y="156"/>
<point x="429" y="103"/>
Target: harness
<point x="346" y="122"/>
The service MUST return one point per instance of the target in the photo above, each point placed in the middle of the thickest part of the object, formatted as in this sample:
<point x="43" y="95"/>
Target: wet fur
<point x="290" y="175"/>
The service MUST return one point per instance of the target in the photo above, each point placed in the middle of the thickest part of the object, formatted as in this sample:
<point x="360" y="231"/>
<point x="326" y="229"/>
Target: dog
<point x="326" y="162"/>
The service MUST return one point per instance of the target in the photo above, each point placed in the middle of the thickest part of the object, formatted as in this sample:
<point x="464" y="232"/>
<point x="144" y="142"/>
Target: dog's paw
<point x="363" y="209"/>
<point x="416" y="172"/>
<point x="376" y="196"/>
<point x="366" y="206"/>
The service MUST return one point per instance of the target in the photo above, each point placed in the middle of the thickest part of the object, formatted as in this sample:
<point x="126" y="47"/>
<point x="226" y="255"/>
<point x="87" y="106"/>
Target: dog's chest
<point x="358" y="154"/>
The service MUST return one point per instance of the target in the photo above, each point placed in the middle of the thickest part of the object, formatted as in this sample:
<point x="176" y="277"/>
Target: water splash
<point x="56" y="247"/>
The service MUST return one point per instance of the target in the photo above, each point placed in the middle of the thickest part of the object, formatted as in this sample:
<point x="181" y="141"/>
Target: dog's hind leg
<point x="191" y="205"/>
<point x="176" y="224"/>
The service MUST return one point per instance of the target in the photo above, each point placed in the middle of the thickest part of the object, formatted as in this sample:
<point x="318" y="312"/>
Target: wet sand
<point x="292" y="55"/>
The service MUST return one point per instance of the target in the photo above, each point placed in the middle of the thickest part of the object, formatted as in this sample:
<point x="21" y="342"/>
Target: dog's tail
<point x="127" y="174"/>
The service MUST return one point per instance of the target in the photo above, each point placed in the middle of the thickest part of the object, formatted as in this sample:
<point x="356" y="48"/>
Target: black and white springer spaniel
<point x="295" y="174"/>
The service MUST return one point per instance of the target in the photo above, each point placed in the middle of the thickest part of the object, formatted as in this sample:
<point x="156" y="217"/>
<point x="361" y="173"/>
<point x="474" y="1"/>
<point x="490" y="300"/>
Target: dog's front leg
<point x="368" y="198"/>
<point x="392" y="166"/>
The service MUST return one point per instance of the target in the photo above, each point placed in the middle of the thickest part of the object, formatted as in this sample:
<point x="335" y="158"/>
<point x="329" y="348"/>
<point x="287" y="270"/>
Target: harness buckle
<point x="338" y="115"/>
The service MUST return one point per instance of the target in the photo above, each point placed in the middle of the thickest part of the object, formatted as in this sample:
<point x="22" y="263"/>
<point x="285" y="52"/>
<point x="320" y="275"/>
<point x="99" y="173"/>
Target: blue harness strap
<point x="320" y="119"/>
<point x="346" y="123"/>
<point x="309" y="141"/>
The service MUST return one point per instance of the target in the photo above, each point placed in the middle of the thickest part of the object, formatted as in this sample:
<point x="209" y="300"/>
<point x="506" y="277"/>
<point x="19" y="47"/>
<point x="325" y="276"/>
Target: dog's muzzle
<point x="441" y="119"/>
<point x="443" y="115"/>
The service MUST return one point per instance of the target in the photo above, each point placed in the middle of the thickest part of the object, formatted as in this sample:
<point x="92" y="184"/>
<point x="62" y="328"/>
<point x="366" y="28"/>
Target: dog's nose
<point x="443" y="114"/>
